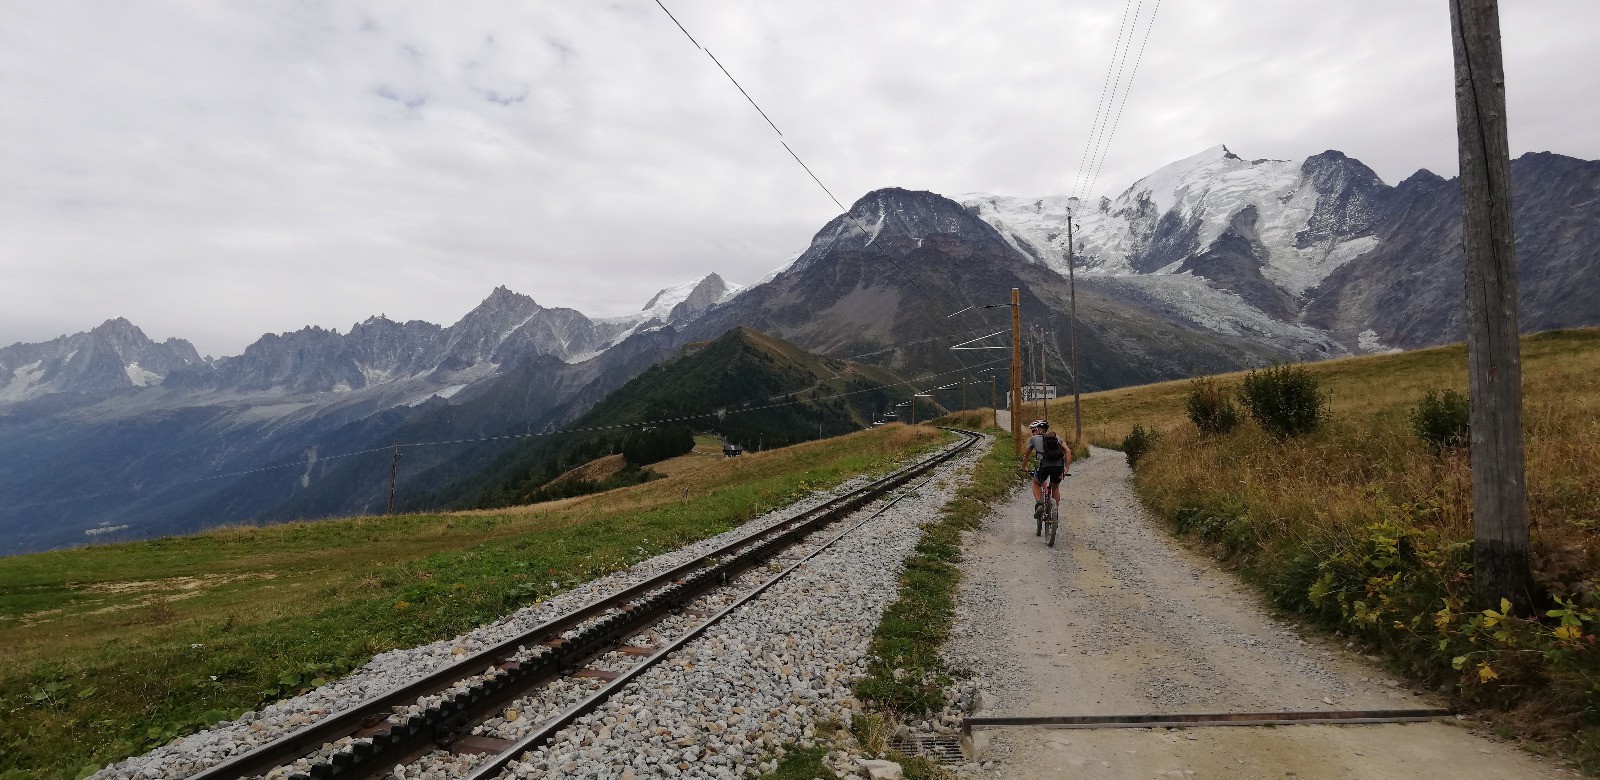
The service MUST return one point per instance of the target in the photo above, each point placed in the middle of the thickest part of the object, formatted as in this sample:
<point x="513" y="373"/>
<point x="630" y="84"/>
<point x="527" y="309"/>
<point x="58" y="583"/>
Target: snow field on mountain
<point x="1207" y="190"/>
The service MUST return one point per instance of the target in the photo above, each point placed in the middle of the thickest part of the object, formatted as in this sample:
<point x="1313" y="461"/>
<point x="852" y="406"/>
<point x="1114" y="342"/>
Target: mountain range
<point x="1212" y="263"/>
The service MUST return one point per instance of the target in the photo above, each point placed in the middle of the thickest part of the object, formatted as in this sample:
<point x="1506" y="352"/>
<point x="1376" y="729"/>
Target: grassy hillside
<point x="750" y="388"/>
<point x="1361" y="527"/>
<point x="109" y="651"/>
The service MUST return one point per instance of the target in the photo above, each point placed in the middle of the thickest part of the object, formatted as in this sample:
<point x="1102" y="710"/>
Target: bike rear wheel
<point x="1052" y="524"/>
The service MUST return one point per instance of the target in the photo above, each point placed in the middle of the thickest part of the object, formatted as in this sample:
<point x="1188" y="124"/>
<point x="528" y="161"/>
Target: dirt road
<point x="1119" y="619"/>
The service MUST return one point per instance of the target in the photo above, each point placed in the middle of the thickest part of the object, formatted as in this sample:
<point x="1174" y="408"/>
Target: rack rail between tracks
<point x="593" y="627"/>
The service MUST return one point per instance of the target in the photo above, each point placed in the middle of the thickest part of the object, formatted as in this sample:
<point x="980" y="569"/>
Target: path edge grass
<point x="906" y="672"/>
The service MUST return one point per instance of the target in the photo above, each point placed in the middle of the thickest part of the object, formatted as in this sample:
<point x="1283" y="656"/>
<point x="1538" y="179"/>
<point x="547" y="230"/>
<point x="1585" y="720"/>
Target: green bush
<point x="1444" y="421"/>
<point x="1137" y="443"/>
<point x="1211" y="408"/>
<point x="1284" y="400"/>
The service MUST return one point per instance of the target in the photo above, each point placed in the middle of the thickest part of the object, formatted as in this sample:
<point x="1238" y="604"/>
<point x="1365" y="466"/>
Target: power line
<point x="1100" y="103"/>
<point x="809" y="172"/>
<point x="1116" y="85"/>
<point x="764" y="116"/>
<point x="1134" y="73"/>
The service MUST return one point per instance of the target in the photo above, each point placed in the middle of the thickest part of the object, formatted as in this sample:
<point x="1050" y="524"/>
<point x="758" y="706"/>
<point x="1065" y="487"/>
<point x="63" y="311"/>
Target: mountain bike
<point x="1048" y="517"/>
<point x="1047" y="520"/>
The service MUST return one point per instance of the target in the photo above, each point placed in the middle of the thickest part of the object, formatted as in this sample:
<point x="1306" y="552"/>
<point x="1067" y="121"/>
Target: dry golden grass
<point x="1367" y="465"/>
<point x="885" y="440"/>
<point x="1364" y="510"/>
<point x="707" y="452"/>
<point x="593" y="471"/>
<point x="1559" y="362"/>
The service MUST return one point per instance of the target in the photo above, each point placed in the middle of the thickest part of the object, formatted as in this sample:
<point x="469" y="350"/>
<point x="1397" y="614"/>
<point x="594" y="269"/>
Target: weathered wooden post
<point x="1494" y="362"/>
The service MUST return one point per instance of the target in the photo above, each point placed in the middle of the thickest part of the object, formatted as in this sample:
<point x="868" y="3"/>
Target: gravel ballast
<point x="715" y="709"/>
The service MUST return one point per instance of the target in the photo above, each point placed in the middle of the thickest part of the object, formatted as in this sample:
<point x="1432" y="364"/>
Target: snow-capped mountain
<point x="114" y="356"/>
<point x="1310" y="217"/>
<point x="1213" y="263"/>
<point x="890" y="217"/>
<point x="1255" y="243"/>
<point x="682" y="301"/>
<point x="159" y="414"/>
<point x="505" y="329"/>
<point x="675" y="305"/>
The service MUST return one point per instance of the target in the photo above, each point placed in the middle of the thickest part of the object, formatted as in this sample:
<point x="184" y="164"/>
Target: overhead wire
<point x="763" y="113"/>
<point x="1090" y="143"/>
<point x="782" y="140"/>
<point x="1116" y="85"/>
<point x="1105" y="147"/>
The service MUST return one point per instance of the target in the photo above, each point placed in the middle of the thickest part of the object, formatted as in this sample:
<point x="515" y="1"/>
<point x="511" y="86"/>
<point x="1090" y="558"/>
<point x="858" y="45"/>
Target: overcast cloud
<point x="216" y="170"/>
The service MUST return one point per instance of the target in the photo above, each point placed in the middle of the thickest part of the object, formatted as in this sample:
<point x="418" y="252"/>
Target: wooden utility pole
<point x="1494" y="360"/>
<point x="1044" y="384"/>
<point x="963" y="394"/>
<point x="394" y="473"/>
<point x="1072" y="330"/>
<point x="1016" y="369"/>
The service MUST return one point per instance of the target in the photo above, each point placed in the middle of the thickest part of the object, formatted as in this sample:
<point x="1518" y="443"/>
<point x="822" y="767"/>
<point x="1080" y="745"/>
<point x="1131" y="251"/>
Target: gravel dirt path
<point x="1119" y="619"/>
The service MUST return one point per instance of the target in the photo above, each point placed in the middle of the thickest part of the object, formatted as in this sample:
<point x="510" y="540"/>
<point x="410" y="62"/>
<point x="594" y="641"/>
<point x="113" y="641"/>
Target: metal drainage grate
<point x="935" y="747"/>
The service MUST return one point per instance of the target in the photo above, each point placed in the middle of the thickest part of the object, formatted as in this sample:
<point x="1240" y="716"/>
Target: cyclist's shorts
<point x="1053" y="473"/>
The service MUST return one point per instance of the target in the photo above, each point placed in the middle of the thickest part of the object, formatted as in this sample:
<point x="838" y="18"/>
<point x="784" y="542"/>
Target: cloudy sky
<point x="215" y="170"/>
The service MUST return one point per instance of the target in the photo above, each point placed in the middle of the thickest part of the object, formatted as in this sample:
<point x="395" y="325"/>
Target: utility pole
<point x="394" y="473"/>
<point x="1072" y="330"/>
<point x="1044" y="384"/>
<point x="963" y="394"/>
<point x="1016" y="369"/>
<point x="1494" y="360"/>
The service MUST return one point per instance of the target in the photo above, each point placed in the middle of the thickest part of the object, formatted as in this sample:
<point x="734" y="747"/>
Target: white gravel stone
<point x="780" y="663"/>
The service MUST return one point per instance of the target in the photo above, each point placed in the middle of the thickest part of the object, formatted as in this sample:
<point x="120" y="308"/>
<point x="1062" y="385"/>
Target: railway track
<point x="483" y="711"/>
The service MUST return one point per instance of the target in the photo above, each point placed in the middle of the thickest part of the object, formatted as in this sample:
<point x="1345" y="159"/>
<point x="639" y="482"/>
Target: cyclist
<point x="1054" y="458"/>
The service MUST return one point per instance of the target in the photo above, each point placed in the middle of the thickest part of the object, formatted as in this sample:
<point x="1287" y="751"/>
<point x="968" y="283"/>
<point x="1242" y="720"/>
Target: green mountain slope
<point x="751" y="389"/>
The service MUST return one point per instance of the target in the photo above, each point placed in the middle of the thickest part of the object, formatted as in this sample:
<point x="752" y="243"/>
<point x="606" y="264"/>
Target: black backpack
<point x="1053" y="451"/>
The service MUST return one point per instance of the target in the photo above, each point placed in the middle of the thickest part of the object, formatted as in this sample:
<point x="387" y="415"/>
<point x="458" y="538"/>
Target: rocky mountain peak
<point x="504" y="298"/>
<point x="707" y="293"/>
<point x="897" y="220"/>
<point x="1351" y="200"/>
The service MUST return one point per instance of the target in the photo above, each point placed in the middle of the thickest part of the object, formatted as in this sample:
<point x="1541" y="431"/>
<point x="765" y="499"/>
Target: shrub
<point x="1137" y="443"/>
<point x="1443" y="421"/>
<point x="1284" y="400"/>
<point x="1211" y="408"/>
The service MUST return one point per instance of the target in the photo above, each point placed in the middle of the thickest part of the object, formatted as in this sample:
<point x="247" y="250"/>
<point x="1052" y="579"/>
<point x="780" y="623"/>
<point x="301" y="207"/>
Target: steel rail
<point x="1203" y="719"/>
<point x="374" y="712"/>
<point x="549" y="729"/>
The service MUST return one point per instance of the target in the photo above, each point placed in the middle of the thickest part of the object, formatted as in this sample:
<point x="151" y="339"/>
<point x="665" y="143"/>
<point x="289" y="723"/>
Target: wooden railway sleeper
<point x="441" y="724"/>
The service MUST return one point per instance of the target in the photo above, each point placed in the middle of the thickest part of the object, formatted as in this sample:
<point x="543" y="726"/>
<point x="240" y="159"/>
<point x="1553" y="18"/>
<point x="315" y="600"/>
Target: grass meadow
<point x="108" y="651"/>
